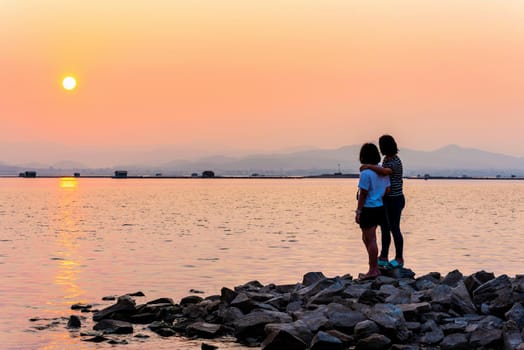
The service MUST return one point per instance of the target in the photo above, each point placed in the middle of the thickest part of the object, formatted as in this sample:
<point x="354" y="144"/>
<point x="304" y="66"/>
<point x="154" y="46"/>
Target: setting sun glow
<point x="69" y="83"/>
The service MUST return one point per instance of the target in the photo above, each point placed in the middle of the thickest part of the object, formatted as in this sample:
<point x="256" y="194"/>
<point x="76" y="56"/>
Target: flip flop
<point x="395" y="264"/>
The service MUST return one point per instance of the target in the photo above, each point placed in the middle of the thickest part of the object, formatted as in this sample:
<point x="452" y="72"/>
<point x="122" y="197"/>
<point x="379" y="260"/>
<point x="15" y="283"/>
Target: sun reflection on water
<point x="68" y="182"/>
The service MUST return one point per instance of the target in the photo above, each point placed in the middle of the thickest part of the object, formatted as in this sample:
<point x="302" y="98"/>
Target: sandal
<point x="395" y="264"/>
<point x="383" y="263"/>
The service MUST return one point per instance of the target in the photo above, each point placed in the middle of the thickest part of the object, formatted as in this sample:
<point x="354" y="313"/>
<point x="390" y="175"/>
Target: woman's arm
<point x="378" y="169"/>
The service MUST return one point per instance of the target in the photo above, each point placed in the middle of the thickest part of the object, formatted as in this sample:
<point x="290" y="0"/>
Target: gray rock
<point x="311" y="278"/>
<point x="387" y="316"/>
<point x="433" y="334"/>
<point x="325" y="341"/>
<point x="461" y="300"/>
<point x="191" y="299"/>
<point x="496" y="293"/>
<point x="125" y="306"/>
<point x="372" y="297"/>
<point x="511" y="336"/>
<point x="281" y="339"/>
<point x="114" y="326"/>
<point x="441" y="294"/>
<point x="475" y="280"/>
<point x="456" y="341"/>
<point x="413" y="311"/>
<point x="252" y="325"/>
<point x="373" y="342"/>
<point x="516" y="314"/>
<point x="326" y="295"/>
<point x="343" y="318"/>
<point x="452" y="278"/>
<point x="483" y="337"/>
<point x="428" y="281"/>
<point x="298" y="329"/>
<point x="161" y="301"/>
<point x="227" y="295"/>
<point x="74" y="322"/>
<point x="365" y="328"/>
<point x="204" y="329"/>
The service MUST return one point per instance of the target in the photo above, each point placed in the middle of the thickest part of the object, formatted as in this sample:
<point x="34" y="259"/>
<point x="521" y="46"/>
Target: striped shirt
<point x="394" y="164"/>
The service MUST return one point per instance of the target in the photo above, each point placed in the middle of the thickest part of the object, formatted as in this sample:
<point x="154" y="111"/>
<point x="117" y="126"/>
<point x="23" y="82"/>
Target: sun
<point x="69" y="83"/>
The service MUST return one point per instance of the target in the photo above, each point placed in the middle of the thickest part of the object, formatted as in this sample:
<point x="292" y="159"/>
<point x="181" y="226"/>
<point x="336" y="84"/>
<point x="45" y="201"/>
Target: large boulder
<point x="114" y="326"/>
<point x="252" y="325"/>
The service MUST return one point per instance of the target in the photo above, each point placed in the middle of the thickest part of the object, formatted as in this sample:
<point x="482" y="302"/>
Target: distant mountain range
<point x="451" y="160"/>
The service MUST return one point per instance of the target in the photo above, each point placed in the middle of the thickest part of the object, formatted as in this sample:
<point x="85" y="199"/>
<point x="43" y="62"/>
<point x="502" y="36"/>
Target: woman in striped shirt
<point x="394" y="202"/>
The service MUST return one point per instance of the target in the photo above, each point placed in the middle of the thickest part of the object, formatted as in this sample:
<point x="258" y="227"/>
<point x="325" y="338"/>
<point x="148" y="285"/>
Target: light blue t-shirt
<point x="375" y="185"/>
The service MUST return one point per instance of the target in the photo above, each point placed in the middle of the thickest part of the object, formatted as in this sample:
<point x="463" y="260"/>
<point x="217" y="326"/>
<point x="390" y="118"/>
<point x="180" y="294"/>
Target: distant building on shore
<point x="120" y="174"/>
<point x="28" y="174"/>
<point x="208" y="173"/>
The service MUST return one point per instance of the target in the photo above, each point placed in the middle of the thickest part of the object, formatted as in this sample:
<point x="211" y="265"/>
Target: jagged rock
<point x="441" y="294"/>
<point x="74" y="322"/>
<point x="326" y="295"/>
<point x="390" y="318"/>
<point x="460" y="299"/>
<point x="372" y="297"/>
<point x="483" y="337"/>
<point x="311" y="278"/>
<point x="114" y="326"/>
<point x="428" y="281"/>
<point x="298" y="329"/>
<point x="516" y="313"/>
<point x="227" y="295"/>
<point x="433" y="334"/>
<point x="204" y="329"/>
<point x="252" y="325"/>
<point x="343" y="318"/>
<point x="346" y="339"/>
<point x="251" y="286"/>
<point x="382" y="280"/>
<point x="496" y="293"/>
<point x="325" y="341"/>
<point x="413" y="311"/>
<point x="125" y="306"/>
<point x="315" y="320"/>
<point x="451" y="326"/>
<point x="365" y="328"/>
<point x="282" y="339"/>
<point x="452" y="278"/>
<point x="191" y="299"/>
<point x="373" y="342"/>
<point x="456" y="341"/>
<point x="511" y="335"/>
<point x="475" y="280"/>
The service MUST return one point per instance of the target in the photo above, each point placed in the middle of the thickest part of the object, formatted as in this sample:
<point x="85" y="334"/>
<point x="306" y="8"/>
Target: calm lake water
<point x="64" y="241"/>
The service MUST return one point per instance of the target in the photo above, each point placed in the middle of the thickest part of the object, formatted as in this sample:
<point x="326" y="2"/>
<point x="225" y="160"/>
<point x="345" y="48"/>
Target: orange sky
<point x="263" y="75"/>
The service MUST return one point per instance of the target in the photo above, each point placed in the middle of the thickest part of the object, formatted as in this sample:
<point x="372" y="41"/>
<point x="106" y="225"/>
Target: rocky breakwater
<point x="479" y="311"/>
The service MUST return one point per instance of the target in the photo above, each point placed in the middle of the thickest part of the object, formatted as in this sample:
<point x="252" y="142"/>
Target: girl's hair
<point x="388" y="146"/>
<point x="369" y="154"/>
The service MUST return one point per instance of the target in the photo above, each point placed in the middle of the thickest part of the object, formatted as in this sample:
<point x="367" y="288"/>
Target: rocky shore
<point x="393" y="311"/>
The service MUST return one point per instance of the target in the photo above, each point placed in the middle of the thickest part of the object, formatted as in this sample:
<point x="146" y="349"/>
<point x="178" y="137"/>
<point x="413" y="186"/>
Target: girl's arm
<point x="378" y="169"/>
<point x="360" y="204"/>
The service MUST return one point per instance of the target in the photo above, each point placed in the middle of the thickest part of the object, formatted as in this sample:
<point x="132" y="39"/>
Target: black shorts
<point x="372" y="217"/>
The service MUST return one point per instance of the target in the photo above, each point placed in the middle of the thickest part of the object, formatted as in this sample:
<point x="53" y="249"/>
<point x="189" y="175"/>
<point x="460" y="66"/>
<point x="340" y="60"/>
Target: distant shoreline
<point x="283" y="177"/>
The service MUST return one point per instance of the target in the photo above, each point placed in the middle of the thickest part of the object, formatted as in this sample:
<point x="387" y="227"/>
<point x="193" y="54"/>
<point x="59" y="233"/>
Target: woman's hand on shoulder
<point x="364" y="167"/>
